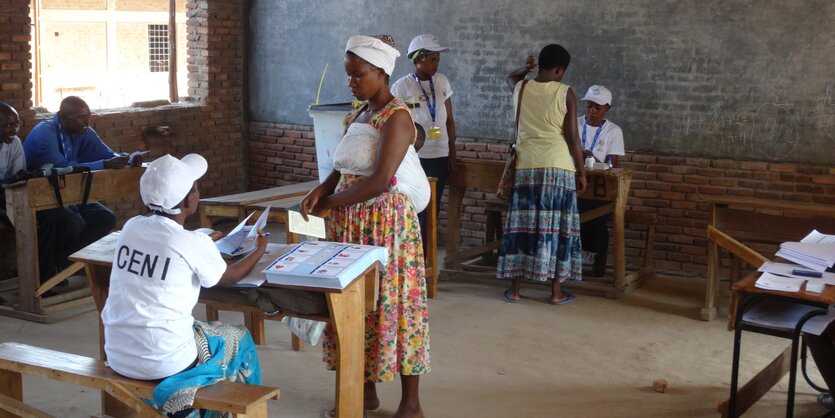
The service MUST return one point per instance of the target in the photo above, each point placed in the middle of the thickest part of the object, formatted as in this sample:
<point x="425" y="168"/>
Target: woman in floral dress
<point x="374" y="194"/>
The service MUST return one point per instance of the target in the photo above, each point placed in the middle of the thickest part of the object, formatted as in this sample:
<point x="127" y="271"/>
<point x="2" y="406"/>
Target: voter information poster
<point x="323" y="264"/>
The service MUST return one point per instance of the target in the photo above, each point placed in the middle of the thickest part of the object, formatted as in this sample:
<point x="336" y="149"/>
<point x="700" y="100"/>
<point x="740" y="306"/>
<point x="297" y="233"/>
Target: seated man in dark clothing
<point x="67" y="140"/>
<point x="822" y="348"/>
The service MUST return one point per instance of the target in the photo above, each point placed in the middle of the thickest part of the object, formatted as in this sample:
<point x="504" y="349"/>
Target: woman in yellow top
<point x="542" y="234"/>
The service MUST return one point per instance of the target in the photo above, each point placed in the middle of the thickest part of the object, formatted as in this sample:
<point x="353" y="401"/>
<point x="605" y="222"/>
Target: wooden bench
<point x="18" y="359"/>
<point x="234" y="205"/>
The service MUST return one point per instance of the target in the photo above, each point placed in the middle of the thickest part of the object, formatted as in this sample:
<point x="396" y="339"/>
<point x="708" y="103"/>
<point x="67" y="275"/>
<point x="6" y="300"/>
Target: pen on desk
<point x="807" y="273"/>
<point x="265" y="234"/>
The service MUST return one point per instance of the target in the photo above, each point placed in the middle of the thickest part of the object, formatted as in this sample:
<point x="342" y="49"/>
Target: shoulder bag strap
<point x="519" y="106"/>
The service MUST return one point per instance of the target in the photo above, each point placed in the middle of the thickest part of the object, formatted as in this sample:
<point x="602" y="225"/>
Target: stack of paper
<point x="324" y="264"/>
<point x="243" y="239"/>
<point x="770" y="281"/>
<point x="815" y="252"/>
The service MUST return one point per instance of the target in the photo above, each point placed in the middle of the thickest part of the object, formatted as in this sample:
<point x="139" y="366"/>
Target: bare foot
<point x="412" y="411"/>
<point x="370" y="401"/>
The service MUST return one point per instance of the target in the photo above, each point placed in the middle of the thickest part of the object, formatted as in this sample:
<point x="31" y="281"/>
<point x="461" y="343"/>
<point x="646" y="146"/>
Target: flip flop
<point x="569" y="297"/>
<point x="507" y="297"/>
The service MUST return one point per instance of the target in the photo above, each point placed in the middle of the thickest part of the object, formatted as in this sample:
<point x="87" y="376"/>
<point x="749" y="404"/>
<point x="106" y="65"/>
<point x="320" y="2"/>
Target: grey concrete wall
<point x="743" y="79"/>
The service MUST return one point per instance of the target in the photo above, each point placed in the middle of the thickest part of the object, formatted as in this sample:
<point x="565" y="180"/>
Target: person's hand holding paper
<point x="309" y="225"/>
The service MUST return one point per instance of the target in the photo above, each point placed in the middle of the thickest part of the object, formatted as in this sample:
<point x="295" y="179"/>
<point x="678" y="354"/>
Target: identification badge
<point x="434" y="132"/>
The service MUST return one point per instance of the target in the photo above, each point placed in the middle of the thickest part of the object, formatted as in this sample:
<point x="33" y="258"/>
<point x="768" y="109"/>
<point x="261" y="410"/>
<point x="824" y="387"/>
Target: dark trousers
<point x="823" y="351"/>
<point x="63" y="231"/>
<point x="594" y="234"/>
<point x="438" y="168"/>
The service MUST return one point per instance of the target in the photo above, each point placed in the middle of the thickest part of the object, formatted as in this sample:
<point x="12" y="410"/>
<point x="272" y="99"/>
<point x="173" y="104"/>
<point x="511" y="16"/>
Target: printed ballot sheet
<point x="314" y="226"/>
<point x="323" y="264"/>
<point x="243" y="239"/>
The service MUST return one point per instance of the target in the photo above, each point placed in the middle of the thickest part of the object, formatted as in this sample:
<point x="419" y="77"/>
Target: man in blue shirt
<point x="67" y="140"/>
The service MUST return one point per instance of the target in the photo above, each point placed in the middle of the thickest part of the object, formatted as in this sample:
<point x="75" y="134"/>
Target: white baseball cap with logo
<point x="426" y="41"/>
<point x="598" y="94"/>
<point x="167" y="181"/>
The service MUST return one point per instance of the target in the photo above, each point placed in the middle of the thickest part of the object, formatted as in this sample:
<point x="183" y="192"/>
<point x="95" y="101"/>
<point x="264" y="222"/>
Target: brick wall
<point x="74" y="4"/>
<point x="211" y="124"/>
<point x="668" y="186"/>
<point x="147" y="5"/>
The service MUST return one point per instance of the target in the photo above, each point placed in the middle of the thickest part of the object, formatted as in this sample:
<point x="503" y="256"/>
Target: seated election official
<point x="158" y="270"/>
<point x="601" y="140"/>
<point x="51" y="239"/>
<point x="67" y="140"/>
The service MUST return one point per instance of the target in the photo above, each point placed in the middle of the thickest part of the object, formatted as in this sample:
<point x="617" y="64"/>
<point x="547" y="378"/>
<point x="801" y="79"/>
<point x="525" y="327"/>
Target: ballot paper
<point x="814" y="256"/>
<point x="785" y="269"/>
<point x="244" y="238"/>
<point x="324" y="264"/>
<point x="769" y="281"/>
<point x="314" y="226"/>
<point x="816" y="237"/>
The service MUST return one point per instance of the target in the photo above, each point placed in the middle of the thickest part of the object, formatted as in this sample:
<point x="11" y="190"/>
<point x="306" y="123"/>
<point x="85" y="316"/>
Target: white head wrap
<point x="373" y="50"/>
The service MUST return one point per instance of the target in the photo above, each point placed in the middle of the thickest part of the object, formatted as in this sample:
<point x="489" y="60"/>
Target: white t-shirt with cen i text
<point x="158" y="270"/>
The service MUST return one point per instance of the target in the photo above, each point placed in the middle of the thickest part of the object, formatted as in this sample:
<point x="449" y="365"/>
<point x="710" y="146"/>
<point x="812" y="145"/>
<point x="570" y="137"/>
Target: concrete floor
<point x="594" y="358"/>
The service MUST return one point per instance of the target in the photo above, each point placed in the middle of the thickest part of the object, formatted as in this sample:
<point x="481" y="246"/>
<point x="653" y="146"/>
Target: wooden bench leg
<point x="298" y="344"/>
<point x="11" y="386"/>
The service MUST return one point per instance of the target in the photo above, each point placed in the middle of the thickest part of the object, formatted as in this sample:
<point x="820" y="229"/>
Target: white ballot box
<point x="328" y="129"/>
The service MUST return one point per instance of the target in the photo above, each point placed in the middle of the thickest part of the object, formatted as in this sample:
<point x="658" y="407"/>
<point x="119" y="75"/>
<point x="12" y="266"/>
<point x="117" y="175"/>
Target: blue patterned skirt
<point x="542" y="234"/>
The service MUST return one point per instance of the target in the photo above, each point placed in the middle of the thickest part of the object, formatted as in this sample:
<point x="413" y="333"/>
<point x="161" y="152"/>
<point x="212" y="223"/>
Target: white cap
<point x="598" y="94"/>
<point x="167" y="181"/>
<point x="427" y="42"/>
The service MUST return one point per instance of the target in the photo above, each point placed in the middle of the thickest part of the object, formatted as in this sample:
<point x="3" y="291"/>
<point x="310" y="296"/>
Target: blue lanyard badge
<point x="430" y="101"/>
<point x="596" y="135"/>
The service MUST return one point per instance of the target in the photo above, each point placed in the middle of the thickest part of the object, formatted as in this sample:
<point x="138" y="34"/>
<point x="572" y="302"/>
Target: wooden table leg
<point x="347" y="312"/>
<point x="432" y="240"/>
<point x="453" y="234"/>
<point x="26" y="240"/>
<point x="619" y="235"/>
<point x="11" y="385"/>
<point x="709" y="310"/>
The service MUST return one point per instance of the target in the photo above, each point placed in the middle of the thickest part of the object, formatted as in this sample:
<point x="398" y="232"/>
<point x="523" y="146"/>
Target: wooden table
<point x="347" y="309"/>
<point x="278" y="214"/>
<point x="607" y="185"/>
<point x="733" y="220"/>
<point x="752" y="391"/>
<point x="22" y="202"/>
<point x="234" y="205"/>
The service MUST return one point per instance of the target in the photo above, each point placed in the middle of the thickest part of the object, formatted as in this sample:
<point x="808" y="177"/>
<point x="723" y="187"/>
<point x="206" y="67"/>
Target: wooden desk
<point x="783" y="363"/>
<point x="234" y="205"/>
<point x="22" y="203"/>
<point x="278" y="214"/>
<point x="347" y="310"/>
<point x="733" y="220"/>
<point x="607" y="185"/>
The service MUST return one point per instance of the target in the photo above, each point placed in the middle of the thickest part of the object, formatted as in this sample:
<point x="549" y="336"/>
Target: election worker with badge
<point x="431" y="90"/>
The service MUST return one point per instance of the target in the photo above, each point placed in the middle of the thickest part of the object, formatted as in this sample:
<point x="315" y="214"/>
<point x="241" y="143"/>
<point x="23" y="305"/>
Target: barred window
<point x="158" y="48"/>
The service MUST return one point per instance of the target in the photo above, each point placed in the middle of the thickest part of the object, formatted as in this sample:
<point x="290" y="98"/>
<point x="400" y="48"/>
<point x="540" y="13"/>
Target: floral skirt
<point x="541" y="239"/>
<point x="397" y="334"/>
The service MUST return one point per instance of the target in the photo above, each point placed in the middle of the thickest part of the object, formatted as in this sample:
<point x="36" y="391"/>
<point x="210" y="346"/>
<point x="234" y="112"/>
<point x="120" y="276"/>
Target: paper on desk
<point x="786" y="315"/>
<point x="818" y="238"/>
<point x="313" y="227"/>
<point x="817" y="256"/>
<point x="256" y="278"/>
<point x="769" y="281"/>
<point x="242" y="239"/>
<point x="785" y="269"/>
